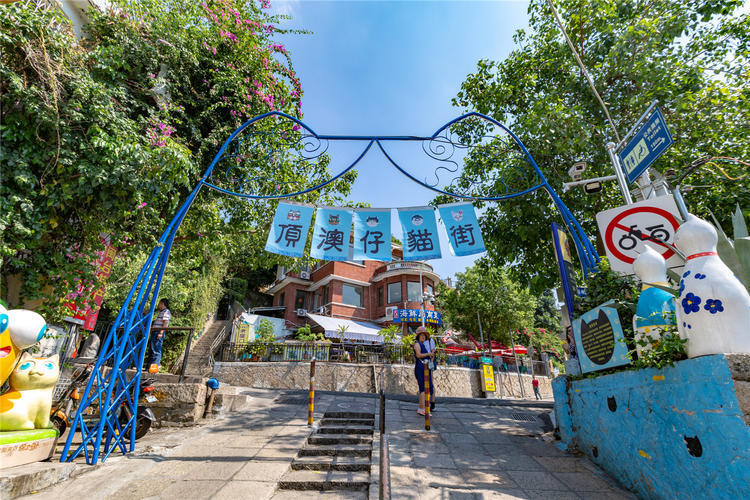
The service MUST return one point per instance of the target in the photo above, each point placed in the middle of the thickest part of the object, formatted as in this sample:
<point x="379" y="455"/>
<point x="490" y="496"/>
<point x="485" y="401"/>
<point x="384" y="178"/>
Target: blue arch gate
<point x="246" y="166"/>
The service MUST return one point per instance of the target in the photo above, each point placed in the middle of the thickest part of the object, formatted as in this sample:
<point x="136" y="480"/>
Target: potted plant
<point x="390" y="347"/>
<point x="308" y="345"/>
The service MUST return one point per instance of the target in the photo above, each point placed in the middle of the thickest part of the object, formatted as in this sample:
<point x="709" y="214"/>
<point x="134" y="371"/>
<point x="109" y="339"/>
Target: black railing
<point x="346" y="352"/>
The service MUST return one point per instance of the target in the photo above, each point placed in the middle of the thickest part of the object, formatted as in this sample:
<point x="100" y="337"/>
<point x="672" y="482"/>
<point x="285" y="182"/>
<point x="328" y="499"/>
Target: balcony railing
<point x="402" y="264"/>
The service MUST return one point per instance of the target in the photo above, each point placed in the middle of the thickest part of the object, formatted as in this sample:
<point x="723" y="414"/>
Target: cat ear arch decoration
<point x="275" y="156"/>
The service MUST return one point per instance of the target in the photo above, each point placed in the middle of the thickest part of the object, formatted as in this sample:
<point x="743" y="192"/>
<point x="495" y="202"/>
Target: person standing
<point x="431" y="347"/>
<point x="535" y="385"/>
<point x="422" y="356"/>
<point x="156" y="340"/>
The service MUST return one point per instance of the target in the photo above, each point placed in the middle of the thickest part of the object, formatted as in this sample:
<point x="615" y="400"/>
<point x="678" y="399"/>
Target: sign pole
<point x="515" y="357"/>
<point x="621" y="180"/>
<point x="481" y="335"/>
<point x="421" y="289"/>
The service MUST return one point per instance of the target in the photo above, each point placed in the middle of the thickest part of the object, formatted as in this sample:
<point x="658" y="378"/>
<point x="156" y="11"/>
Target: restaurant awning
<point x="356" y="330"/>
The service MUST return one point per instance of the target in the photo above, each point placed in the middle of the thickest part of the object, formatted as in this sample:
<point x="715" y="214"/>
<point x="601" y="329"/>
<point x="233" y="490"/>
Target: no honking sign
<point x="627" y="229"/>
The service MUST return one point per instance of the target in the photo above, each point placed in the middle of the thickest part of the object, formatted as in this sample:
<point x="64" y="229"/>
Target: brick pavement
<point x="482" y="452"/>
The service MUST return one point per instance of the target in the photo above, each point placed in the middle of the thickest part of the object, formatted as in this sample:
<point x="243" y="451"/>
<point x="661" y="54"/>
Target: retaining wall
<point x="345" y="377"/>
<point x="677" y="432"/>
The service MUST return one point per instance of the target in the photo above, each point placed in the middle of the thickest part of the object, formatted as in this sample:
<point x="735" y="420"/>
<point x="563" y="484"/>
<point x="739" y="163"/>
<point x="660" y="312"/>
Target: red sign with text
<point x="90" y="310"/>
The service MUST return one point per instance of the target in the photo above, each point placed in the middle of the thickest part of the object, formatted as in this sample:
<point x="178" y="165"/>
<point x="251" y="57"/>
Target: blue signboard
<point x="415" y="316"/>
<point x="648" y="144"/>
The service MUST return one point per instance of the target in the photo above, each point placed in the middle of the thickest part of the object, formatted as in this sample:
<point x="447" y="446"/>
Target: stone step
<point x="348" y="414"/>
<point x="339" y="439"/>
<point x="325" y="480"/>
<point x="360" y="429"/>
<point x="346" y="463"/>
<point x="339" y="450"/>
<point x="348" y="421"/>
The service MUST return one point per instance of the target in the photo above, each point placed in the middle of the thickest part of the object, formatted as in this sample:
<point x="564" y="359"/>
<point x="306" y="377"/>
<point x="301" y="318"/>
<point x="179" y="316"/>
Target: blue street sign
<point x="486" y="360"/>
<point x="648" y="144"/>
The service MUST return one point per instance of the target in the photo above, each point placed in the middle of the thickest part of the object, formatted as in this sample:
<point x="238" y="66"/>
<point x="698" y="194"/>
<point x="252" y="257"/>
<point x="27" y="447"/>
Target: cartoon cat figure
<point x="19" y="329"/>
<point x="27" y="404"/>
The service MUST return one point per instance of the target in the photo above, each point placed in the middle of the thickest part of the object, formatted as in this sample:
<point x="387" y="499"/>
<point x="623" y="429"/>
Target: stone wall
<point x="346" y="377"/>
<point x="181" y="404"/>
<point x="669" y="433"/>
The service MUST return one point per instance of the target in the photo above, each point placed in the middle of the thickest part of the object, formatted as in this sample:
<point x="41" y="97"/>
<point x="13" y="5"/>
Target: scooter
<point x="62" y="408"/>
<point x="145" y="416"/>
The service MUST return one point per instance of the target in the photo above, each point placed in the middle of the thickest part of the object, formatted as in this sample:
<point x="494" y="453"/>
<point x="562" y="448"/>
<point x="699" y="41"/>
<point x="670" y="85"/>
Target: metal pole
<point x="481" y="335"/>
<point x="426" y="397"/>
<point x="621" y="179"/>
<point x="680" y="201"/>
<point x="421" y="291"/>
<point x="311" y="402"/>
<point x="187" y="354"/>
<point x="515" y="358"/>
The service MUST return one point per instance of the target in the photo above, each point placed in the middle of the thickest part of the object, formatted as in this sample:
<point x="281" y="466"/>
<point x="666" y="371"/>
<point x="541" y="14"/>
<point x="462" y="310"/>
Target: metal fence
<point x="362" y="353"/>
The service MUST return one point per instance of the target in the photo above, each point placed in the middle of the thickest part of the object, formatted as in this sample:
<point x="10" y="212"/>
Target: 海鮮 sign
<point x="648" y="144"/>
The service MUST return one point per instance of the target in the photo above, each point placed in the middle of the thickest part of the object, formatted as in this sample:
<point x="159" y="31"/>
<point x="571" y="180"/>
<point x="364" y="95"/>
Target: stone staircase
<point x="336" y="457"/>
<point x="200" y="352"/>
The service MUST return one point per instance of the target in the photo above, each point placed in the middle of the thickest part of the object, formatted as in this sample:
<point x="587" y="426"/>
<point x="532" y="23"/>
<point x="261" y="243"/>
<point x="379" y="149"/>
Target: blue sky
<point x="392" y="68"/>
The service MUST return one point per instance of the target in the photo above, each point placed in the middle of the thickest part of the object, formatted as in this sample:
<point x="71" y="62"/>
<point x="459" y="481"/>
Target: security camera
<point x="576" y="171"/>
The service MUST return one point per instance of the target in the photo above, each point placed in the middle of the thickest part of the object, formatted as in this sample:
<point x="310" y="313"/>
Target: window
<point x="430" y="290"/>
<point x="316" y="300"/>
<point x="299" y="300"/>
<point x="352" y="295"/>
<point x="326" y="295"/>
<point x="413" y="291"/>
<point x="281" y="298"/>
<point x="394" y="293"/>
<point x="380" y="297"/>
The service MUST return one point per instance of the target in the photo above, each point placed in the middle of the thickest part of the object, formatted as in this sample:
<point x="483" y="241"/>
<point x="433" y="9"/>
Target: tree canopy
<point x="692" y="57"/>
<point x="502" y="302"/>
<point x="108" y="134"/>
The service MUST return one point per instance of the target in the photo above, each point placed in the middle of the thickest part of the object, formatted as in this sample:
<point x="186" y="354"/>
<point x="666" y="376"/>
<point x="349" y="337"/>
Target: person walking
<point x="156" y="340"/>
<point x="431" y="347"/>
<point x="535" y="385"/>
<point x="422" y="355"/>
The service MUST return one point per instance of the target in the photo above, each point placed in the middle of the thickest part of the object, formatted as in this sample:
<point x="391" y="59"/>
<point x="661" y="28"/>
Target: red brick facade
<point x="334" y="288"/>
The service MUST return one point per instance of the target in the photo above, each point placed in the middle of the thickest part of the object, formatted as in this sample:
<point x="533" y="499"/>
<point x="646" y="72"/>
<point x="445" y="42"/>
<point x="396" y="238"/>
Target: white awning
<point x="356" y="330"/>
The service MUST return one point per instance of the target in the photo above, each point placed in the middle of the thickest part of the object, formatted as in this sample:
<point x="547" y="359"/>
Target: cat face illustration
<point x="417" y="220"/>
<point x="372" y="221"/>
<point x="293" y="215"/>
<point x="35" y="373"/>
<point x="333" y="220"/>
<point x="457" y="216"/>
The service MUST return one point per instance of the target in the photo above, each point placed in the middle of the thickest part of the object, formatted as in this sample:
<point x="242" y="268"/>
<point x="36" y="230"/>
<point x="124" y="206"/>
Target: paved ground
<point x="484" y="452"/>
<point x="473" y="451"/>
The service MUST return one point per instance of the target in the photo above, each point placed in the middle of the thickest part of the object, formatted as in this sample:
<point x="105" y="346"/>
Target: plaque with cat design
<point x="599" y="339"/>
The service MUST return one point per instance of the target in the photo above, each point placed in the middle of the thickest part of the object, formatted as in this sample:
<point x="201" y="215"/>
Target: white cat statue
<point x="26" y="405"/>
<point x="713" y="309"/>
<point x="655" y="309"/>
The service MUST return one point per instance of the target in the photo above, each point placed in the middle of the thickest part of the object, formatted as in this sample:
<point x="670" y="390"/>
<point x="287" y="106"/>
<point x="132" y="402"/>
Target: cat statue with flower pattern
<point x="26" y="405"/>
<point x="713" y="308"/>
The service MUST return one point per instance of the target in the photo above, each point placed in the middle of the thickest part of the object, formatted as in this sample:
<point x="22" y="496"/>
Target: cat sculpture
<point x="27" y="404"/>
<point x="656" y="307"/>
<point x="19" y="329"/>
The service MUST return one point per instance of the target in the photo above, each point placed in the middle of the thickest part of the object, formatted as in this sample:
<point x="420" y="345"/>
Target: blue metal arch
<point x="125" y="345"/>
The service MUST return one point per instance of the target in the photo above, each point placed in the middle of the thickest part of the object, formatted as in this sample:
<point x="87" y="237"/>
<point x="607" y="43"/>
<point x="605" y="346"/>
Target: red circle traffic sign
<point x="615" y="224"/>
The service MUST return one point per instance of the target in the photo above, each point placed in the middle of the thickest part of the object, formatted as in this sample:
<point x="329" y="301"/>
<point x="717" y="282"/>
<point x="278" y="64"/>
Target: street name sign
<point x="626" y="230"/>
<point x="648" y="144"/>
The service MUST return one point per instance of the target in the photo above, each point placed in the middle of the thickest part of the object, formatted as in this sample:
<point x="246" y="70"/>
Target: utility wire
<point x="583" y="69"/>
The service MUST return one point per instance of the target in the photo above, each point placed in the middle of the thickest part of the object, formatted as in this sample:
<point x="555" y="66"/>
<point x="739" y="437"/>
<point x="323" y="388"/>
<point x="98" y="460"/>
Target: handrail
<point x="218" y="340"/>
<point x="385" y="464"/>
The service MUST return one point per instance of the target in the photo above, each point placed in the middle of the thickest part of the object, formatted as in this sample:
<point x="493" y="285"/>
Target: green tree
<point x="502" y="302"/>
<point x="110" y="133"/>
<point x="546" y="314"/>
<point x="693" y="57"/>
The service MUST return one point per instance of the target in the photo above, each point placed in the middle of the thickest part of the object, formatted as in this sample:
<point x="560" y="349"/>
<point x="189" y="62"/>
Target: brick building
<point x="361" y="294"/>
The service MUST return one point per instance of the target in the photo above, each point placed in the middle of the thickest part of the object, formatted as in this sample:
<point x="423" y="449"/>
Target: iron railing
<point x="346" y="352"/>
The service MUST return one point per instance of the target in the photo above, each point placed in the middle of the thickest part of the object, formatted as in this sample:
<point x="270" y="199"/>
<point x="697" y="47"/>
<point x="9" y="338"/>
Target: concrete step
<point x="359" y="429"/>
<point x="348" y="414"/>
<point x="339" y="450"/>
<point x="325" y="480"/>
<point x="339" y="439"/>
<point x="332" y="462"/>
<point x="348" y="421"/>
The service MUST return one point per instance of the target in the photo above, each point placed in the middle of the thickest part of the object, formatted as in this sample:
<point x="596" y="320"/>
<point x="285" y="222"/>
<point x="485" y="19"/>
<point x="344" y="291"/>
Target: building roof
<point x="357" y="330"/>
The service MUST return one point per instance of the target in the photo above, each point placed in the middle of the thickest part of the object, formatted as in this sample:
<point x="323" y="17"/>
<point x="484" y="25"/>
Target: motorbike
<point x="63" y="406"/>
<point x="145" y="416"/>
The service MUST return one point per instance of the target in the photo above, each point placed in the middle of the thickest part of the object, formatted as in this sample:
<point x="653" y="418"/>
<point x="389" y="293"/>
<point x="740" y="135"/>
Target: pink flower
<point x="296" y="127"/>
<point x="151" y="75"/>
<point x="142" y="205"/>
